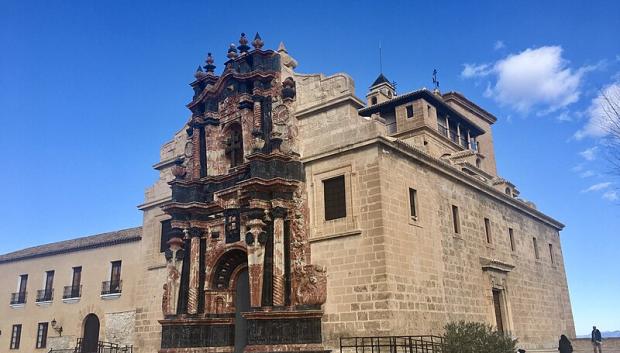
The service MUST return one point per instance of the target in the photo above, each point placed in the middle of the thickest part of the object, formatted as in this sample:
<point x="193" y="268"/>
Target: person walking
<point x="596" y="340"/>
<point x="565" y="346"/>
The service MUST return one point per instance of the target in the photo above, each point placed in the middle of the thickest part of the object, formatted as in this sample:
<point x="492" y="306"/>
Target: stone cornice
<point x="495" y="265"/>
<point x="444" y="168"/>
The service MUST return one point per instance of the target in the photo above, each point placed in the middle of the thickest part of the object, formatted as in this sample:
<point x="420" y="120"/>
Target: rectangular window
<point x="441" y="126"/>
<point x="166" y="226"/>
<point x="74" y="291"/>
<point x="413" y="203"/>
<point x="23" y="282"/>
<point x="49" y="281"/>
<point x="497" y="305"/>
<point x="115" y="275"/>
<point x="42" y="335"/>
<point x="456" y="222"/>
<point x="535" y="243"/>
<point x="409" y="111"/>
<point x="16" y="334"/>
<point x="487" y="229"/>
<point x="334" y="198"/>
<point x="551" y="254"/>
<point x="512" y="239"/>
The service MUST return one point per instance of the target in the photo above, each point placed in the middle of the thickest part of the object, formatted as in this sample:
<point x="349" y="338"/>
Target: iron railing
<point x="45" y="295"/>
<point x="18" y="298"/>
<point x="103" y="347"/>
<point x="72" y="292"/>
<point x="392" y="344"/>
<point x="111" y="287"/>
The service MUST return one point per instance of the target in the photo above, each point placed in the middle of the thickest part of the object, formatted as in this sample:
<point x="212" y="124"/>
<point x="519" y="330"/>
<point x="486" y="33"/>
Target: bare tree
<point x="610" y="123"/>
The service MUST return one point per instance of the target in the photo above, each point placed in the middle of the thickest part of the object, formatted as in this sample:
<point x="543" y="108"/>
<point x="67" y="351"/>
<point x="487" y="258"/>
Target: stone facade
<point x="427" y="231"/>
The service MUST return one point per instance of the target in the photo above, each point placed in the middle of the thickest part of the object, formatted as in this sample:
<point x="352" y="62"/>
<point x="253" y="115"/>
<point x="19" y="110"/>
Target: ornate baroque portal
<point x="239" y="271"/>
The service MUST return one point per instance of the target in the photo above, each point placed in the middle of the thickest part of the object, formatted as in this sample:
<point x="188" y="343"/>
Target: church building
<point x="289" y="213"/>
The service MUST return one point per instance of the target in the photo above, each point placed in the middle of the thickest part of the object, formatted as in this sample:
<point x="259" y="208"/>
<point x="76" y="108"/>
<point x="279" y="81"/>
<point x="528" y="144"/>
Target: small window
<point x="551" y="254"/>
<point x="42" y="335"/>
<point x="373" y="100"/>
<point x="234" y="146"/>
<point x="512" y="239"/>
<point x="508" y="192"/>
<point x="535" y="243"/>
<point x="413" y="203"/>
<point x="166" y="227"/>
<point x="478" y="163"/>
<point x="409" y="111"/>
<point x="335" y="198"/>
<point x="16" y="334"/>
<point x="456" y="222"/>
<point x="487" y="229"/>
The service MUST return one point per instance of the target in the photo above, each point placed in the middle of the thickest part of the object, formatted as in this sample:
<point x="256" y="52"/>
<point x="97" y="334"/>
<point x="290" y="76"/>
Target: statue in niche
<point x="174" y="262"/>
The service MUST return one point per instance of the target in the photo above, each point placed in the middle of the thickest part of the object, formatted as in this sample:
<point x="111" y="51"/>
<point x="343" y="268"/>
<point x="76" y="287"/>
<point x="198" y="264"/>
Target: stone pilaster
<point x="255" y="239"/>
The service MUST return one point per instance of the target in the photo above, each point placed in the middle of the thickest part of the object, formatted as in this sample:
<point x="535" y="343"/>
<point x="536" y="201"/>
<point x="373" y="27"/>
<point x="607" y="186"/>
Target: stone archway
<point x="90" y="334"/>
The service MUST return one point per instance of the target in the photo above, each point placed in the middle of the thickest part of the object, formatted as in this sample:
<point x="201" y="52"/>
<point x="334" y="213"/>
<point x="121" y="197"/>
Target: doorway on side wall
<point x="90" y="336"/>
<point x="242" y="304"/>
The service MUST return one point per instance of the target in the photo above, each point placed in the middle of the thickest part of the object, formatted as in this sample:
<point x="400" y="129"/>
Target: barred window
<point x="42" y="335"/>
<point x="335" y="198"/>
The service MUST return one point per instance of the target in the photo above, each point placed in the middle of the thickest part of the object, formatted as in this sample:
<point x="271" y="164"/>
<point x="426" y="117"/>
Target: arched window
<point x="508" y="192"/>
<point x="234" y="145"/>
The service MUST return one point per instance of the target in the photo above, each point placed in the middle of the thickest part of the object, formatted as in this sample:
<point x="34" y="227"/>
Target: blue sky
<point x="89" y="90"/>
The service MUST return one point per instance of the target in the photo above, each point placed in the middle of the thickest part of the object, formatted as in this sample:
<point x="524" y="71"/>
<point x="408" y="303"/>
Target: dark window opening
<point x="551" y="257"/>
<point x="42" y="335"/>
<point x="16" y="334"/>
<point x="456" y="222"/>
<point x="535" y="243"/>
<point x="335" y="198"/>
<point x="166" y="227"/>
<point x="114" y="285"/>
<point x="441" y="125"/>
<point x="75" y="289"/>
<point x="409" y="111"/>
<point x="413" y="206"/>
<point x="234" y="146"/>
<point x="47" y="293"/>
<point x="487" y="229"/>
<point x="373" y="100"/>
<point x="512" y="239"/>
<point x="478" y="163"/>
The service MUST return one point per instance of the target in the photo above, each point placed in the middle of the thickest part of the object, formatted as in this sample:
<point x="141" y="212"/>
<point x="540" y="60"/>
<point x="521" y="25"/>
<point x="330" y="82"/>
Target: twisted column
<point x="278" y="213"/>
<point x="194" y="271"/>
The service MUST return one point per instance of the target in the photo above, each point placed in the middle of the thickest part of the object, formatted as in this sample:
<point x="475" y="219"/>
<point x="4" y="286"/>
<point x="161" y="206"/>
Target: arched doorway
<point x="242" y="304"/>
<point x="90" y="336"/>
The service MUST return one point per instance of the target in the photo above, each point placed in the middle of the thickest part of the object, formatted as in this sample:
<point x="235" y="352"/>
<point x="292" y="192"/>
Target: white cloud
<point x="589" y="154"/>
<point x="564" y="116"/>
<point x="598" y="187"/>
<point x="538" y="77"/>
<point x="600" y="112"/>
<point x="611" y="195"/>
<point x="577" y="168"/>
<point x="472" y="70"/>
<point x="499" y="45"/>
<point x="587" y="174"/>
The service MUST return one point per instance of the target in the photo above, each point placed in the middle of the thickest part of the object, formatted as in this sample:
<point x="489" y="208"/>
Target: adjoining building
<point x="289" y="213"/>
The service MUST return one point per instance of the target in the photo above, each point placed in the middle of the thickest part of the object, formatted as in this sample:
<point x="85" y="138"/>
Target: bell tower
<point x="380" y="91"/>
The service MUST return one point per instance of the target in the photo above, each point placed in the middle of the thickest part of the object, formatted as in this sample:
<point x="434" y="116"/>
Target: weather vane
<point x="435" y="80"/>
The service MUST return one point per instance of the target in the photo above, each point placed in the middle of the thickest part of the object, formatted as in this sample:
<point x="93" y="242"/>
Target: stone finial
<point x="243" y="44"/>
<point x="232" y="51"/>
<point x="282" y="48"/>
<point x="258" y="42"/>
<point x="209" y="67"/>
<point x="199" y="73"/>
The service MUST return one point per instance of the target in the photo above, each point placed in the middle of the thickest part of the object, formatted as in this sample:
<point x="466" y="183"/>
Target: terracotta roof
<point x="77" y="244"/>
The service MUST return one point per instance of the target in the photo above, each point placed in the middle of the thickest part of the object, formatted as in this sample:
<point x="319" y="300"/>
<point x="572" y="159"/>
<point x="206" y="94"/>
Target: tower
<point x="380" y="91"/>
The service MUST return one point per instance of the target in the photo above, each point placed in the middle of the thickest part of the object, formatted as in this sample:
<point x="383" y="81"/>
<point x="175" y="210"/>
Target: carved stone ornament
<point x="312" y="289"/>
<point x="189" y="149"/>
<point x="288" y="89"/>
<point x="174" y="262"/>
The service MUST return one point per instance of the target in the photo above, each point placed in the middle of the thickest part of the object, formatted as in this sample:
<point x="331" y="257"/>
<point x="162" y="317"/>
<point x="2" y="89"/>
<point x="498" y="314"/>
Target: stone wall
<point x="119" y="327"/>
<point x="584" y="345"/>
